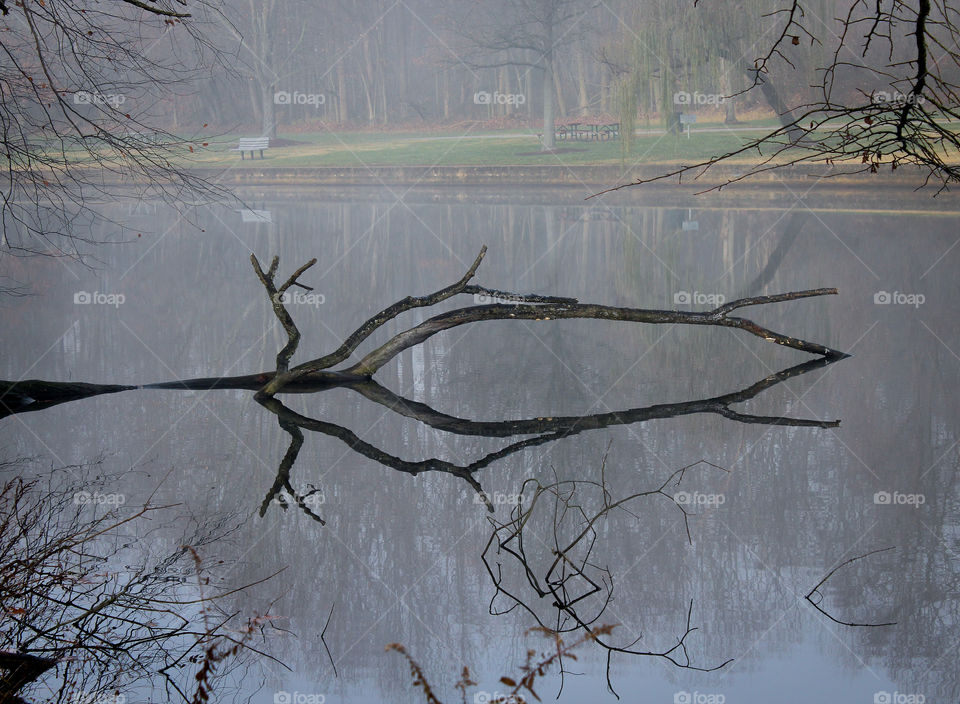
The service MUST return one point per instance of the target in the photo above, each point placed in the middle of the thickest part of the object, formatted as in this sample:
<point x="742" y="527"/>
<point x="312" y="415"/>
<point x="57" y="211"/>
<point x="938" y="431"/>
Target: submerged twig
<point x="816" y="590"/>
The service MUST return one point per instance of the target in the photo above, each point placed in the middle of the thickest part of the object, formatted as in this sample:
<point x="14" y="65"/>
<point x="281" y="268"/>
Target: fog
<point x="480" y="351"/>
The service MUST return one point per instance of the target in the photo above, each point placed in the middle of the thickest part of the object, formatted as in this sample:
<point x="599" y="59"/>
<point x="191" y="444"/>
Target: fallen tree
<point x="317" y="375"/>
<point x="520" y="307"/>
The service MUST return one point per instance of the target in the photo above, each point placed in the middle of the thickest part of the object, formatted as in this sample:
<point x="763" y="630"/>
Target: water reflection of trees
<point x="498" y="305"/>
<point x="532" y="432"/>
<point x="798" y="491"/>
<point x="542" y="560"/>
<point x="93" y="609"/>
<point x="537" y="431"/>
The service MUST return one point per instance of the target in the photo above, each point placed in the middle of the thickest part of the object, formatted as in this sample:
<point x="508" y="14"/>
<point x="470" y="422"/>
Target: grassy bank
<point x="357" y="149"/>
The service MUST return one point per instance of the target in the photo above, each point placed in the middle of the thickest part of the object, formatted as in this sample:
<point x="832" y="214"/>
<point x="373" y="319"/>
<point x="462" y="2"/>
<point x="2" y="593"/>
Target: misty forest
<point x="489" y="352"/>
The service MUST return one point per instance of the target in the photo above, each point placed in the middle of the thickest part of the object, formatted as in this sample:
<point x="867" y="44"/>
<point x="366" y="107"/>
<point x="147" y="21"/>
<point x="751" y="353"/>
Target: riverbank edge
<point x="595" y="177"/>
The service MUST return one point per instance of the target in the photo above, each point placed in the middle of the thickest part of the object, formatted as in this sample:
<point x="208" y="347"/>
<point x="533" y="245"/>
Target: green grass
<point x="480" y="148"/>
<point x="492" y="149"/>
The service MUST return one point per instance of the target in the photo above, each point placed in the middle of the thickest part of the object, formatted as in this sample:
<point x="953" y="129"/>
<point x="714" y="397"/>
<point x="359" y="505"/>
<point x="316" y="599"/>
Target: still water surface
<point x="399" y="558"/>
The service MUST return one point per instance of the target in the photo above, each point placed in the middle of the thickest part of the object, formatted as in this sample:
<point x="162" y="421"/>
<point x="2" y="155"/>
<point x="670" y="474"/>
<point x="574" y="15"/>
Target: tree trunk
<point x="268" y="123"/>
<point x="343" y="110"/>
<point x="772" y="96"/>
<point x="366" y="76"/>
<point x="561" y="108"/>
<point x="730" y="112"/>
<point x="35" y="395"/>
<point x="445" y="90"/>
<point x="583" y="100"/>
<point x="253" y="92"/>
<point x="727" y="86"/>
<point x="549" y="122"/>
<point x="261" y="19"/>
<point x="21" y="670"/>
<point x="382" y="80"/>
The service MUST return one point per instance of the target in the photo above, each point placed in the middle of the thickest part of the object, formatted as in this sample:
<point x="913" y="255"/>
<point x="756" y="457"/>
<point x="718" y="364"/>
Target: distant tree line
<point x="375" y="63"/>
<point x="92" y="94"/>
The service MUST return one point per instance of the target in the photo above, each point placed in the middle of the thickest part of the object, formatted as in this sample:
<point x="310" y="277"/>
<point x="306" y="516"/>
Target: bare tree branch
<point x="526" y="307"/>
<point x="816" y="592"/>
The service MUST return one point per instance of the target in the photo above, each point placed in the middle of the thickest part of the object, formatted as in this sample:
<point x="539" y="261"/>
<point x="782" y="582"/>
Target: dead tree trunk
<point x="316" y="375"/>
<point x="508" y="306"/>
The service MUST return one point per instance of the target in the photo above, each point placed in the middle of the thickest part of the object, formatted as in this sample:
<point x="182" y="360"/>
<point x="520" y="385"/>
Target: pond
<point x="400" y="558"/>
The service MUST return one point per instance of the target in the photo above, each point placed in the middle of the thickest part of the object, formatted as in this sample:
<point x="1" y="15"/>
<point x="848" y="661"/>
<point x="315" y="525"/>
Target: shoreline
<point x="591" y="177"/>
<point x="814" y="187"/>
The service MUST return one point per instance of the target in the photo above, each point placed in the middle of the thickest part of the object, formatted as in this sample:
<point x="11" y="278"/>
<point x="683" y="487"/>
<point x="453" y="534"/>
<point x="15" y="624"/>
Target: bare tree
<point x="573" y="585"/>
<point x="82" y="86"/>
<point x="536" y="432"/>
<point x="523" y="33"/>
<point x="544" y="560"/>
<point x="82" y="614"/>
<point x="885" y="96"/>
<point x="559" y="581"/>
<point x="503" y="305"/>
<point x="272" y="40"/>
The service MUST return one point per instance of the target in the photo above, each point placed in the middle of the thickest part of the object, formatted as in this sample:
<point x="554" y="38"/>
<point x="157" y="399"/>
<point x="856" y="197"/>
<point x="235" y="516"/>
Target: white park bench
<point x="252" y="144"/>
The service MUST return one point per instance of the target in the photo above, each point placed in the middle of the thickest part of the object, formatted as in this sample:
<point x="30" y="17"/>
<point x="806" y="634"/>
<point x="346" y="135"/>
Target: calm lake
<point x="400" y="559"/>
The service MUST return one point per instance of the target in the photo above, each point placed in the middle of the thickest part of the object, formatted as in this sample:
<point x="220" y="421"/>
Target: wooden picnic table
<point x="588" y="130"/>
